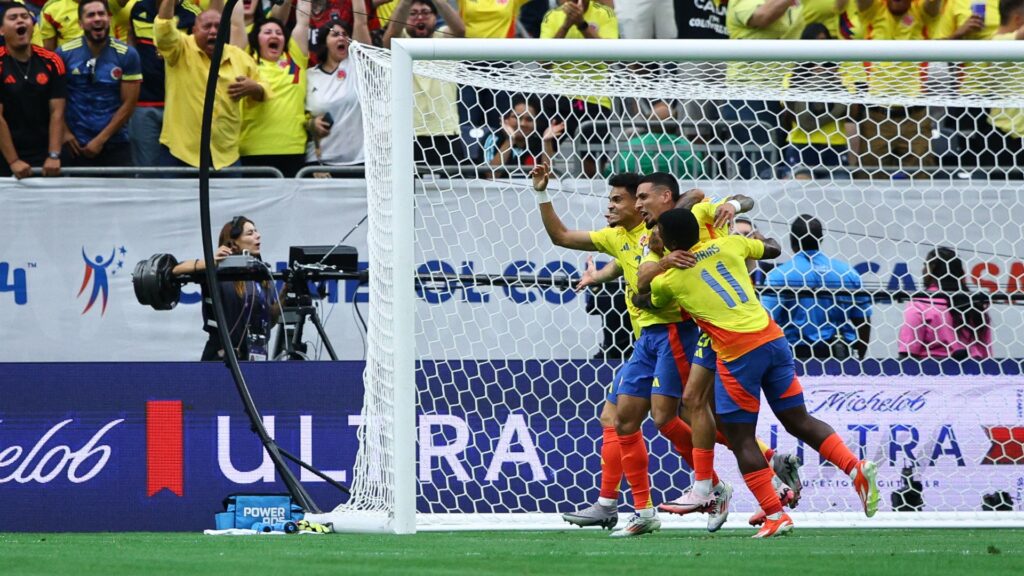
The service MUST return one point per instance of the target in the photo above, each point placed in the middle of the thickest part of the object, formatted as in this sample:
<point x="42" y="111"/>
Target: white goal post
<point x="481" y="414"/>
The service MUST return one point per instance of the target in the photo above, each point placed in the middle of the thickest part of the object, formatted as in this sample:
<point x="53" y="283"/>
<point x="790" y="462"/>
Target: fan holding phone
<point x="335" y="123"/>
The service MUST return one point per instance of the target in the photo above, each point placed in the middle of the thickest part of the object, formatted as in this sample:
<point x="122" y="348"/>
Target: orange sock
<point x="634" y="464"/>
<point x="721" y="439"/>
<point x="611" y="464"/>
<point x="704" y="464"/>
<point x="835" y="451"/>
<point x="680" y="435"/>
<point x="760" y="485"/>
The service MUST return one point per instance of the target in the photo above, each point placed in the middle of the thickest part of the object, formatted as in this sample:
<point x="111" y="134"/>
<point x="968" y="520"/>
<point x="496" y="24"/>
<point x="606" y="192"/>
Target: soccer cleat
<point x="638" y="526"/>
<point x="594" y="515"/>
<point x="773" y="528"/>
<point x="785" y="497"/>
<point x="689" y="502"/>
<point x="719" y="510"/>
<point x="865" y="476"/>
<point x="787" y="469"/>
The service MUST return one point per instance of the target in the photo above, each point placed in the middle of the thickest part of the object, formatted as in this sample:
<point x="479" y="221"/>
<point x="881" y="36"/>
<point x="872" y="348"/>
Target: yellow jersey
<point x="1009" y="121"/>
<point x="187" y="68"/>
<point x="490" y="18"/>
<point x="718" y="294"/>
<point x="897" y="78"/>
<point x="628" y="248"/>
<point x="278" y="125"/>
<point x="604" y="23"/>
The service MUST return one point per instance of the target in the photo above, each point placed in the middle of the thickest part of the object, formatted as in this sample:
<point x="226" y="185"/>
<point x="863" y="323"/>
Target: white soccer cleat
<point x="719" y="511"/>
<point x="689" y="502"/>
<point x="638" y="526"/>
<point x="594" y="515"/>
<point x="787" y="469"/>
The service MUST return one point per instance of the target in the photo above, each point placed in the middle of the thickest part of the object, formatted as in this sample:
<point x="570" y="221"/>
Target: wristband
<point x="736" y="205"/>
<point x="542" y="197"/>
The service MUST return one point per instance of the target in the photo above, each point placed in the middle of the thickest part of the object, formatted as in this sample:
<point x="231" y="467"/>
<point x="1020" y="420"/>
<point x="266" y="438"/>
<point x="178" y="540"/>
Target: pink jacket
<point x="928" y="332"/>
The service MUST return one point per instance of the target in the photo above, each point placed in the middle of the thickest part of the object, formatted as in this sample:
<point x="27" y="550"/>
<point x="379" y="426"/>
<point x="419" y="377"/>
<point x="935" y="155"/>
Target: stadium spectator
<point x="59" y="23"/>
<point x="436" y="111"/>
<point x="329" y="11"/>
<point x="816" y="136"/>
<point x="32" y="99"/>
<point x="757" y="20"/>
<point x="188" y="65"/>
<point x="643" y="19"/>
<point x="700" y="19"/>
<point x="490" y="18"/>
<point x="945" y="321"/>
<point x="517" y="147"/>
<point x="274" y="131"/>
<point x="332" y="99"/>
<point x="827" y="323"/>
<point x="968" y="20"/>
<point x="584" y="117"/>
<point x="660" y="148"/>
<point x="148" y="119"/>
<point x="36" y="10"/>
<point x="897" y="137"/>
<point x="1005" y="144"/>
<point x="103" y="80"/>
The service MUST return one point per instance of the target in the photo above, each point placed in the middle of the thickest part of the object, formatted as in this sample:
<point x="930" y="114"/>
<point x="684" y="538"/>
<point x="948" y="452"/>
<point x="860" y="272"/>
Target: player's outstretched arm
<point x="592" y="276"/>
<point x="557" y="231"/>
<point x="690" y="198"/>
<point x="643" y="301"/>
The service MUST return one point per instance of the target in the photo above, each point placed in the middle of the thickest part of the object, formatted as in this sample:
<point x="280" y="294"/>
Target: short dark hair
<point x="1007" y="8"/>
<point x="627" y="180"/>
<point x="428" y="3"/>
<point x="81" y="6"/>
<point x="662" y="179"/>
<point x="679" y="229"/>
<point x="529" y="102"/>
<point x="8" y="4"/>
<point x="805" y="233"/>
<point x="815" y="29"/>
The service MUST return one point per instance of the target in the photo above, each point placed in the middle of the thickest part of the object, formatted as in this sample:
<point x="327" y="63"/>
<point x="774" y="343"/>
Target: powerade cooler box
<point x="244" y="510"/>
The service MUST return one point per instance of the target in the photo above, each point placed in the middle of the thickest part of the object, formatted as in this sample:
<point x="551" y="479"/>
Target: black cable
<point x="277" y="456"/>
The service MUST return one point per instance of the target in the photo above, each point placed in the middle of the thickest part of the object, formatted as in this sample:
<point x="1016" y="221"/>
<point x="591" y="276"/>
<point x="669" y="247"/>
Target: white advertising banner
<point x="67" y="248"/>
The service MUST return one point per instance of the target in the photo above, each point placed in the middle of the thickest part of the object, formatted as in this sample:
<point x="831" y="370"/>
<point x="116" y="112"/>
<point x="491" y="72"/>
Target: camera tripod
<point x="289" y="345"/>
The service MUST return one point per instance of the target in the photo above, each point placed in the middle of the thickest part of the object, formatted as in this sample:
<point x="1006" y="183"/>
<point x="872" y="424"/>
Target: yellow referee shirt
<point x="187" y="67"/>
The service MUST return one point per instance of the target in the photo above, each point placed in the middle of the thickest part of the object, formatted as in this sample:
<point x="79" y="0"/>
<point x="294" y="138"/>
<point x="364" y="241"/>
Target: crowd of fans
<point x="288" y="94"/>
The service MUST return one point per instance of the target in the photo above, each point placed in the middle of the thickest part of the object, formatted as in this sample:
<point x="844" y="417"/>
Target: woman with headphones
<point x="250" y="307"/>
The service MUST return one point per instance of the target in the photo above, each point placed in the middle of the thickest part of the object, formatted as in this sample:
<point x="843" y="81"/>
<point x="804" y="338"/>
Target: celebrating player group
<point x="705" y="351"/>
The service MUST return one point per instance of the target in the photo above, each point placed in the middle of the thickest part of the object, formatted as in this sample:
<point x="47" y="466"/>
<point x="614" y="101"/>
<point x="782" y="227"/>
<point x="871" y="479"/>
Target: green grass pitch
<point x="587" y="552"/>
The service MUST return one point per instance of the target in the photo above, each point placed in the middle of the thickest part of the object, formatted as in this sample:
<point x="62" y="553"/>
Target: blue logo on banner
<point x="96" y="271"/>
<point x="13" y="280"/>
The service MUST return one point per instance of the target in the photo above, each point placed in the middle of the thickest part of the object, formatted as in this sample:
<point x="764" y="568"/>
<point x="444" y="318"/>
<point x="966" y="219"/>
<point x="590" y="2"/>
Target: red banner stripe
<point x="164" y="447"/>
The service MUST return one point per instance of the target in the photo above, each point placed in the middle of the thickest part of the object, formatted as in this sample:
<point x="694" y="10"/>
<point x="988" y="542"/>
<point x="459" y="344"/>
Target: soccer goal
<point x="482" y="387"/>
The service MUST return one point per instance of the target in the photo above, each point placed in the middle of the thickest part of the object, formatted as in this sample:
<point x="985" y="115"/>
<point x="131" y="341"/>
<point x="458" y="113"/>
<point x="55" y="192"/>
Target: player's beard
<point x="98" y="36"/>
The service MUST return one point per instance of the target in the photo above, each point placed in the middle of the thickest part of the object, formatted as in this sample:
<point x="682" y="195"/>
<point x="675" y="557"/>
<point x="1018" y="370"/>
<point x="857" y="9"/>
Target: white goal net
<point x="912" y="171"/>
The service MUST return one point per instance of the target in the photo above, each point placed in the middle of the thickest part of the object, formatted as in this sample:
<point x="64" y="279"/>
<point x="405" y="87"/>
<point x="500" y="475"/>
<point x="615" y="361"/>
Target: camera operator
<point x="250" y="307"/>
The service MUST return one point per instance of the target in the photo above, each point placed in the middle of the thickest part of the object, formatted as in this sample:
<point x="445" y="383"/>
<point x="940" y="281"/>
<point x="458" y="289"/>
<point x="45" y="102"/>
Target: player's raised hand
<point x="678" y="259"/>
<point x="589" y="277"/>
<point x="725" y="214"/>
<point x="540" y="175"/>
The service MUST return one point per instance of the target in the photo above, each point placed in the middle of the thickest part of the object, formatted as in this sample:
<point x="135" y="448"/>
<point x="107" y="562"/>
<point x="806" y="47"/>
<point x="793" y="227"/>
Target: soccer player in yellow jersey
<point x="753" y="357"/>
<point x="658" y="193"/>
<point x="651" y="381"/>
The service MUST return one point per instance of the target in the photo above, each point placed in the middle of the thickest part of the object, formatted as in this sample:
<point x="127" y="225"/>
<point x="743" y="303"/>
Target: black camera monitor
<point x="342" y="258"/>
